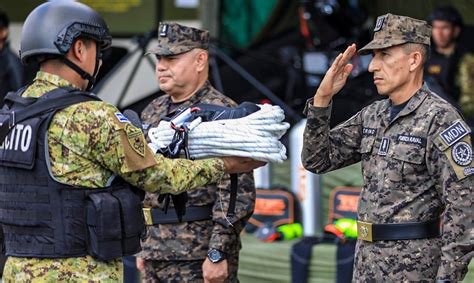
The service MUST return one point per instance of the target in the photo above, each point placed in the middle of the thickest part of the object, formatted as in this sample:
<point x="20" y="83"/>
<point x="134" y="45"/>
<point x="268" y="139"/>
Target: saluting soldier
<point x="416" y="155"/>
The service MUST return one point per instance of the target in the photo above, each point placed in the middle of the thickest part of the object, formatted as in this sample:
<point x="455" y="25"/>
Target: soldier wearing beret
<point x="71" y="164"/>
<point x="415" y="214"/>
<point x="205" y="245"/>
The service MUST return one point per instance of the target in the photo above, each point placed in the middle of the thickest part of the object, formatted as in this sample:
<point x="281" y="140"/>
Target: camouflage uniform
<point x="177" y="251"/>
<point x="413" y="172"/>
<point x="88" y="144"/>
<point x="466" y="81"/>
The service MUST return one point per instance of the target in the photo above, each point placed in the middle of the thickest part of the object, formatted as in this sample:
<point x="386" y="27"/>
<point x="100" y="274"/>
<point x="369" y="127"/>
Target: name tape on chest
<point x="411" y="139"/>
<point x="369" y="131"/>
<point x="454" y="133"/>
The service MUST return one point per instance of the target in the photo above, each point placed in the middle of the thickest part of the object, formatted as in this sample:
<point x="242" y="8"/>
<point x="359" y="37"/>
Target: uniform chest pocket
<point x="406" y="163"/>
<point x="410" y="153"/>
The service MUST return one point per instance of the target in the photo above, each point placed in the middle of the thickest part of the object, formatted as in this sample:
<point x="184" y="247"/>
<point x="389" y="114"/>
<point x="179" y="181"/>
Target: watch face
<point x="214" y="256"/>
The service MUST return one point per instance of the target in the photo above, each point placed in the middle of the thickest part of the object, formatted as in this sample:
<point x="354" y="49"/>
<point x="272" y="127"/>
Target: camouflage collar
<point x="196" y="98"/>
<point x="414" y="102"/>
<point x="53" y="79"/>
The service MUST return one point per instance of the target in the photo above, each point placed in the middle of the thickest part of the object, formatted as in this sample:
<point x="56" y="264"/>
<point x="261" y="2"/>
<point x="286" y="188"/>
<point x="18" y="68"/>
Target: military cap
<point x="174" y="39"/>
<point x="391" y="30"/>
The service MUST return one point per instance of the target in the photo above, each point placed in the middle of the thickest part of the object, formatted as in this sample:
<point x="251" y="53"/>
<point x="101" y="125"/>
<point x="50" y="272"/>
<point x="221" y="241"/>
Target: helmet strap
<point x="84" y="74"/>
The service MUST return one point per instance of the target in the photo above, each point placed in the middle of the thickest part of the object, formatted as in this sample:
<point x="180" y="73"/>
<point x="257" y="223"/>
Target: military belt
<point x="154" y="216"/>
<point x="371" y="232"/>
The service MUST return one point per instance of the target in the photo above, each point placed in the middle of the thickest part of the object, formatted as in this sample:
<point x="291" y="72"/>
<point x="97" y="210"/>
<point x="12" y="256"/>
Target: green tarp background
<point x="270" y="262"/>
<point x="242" y="20"/>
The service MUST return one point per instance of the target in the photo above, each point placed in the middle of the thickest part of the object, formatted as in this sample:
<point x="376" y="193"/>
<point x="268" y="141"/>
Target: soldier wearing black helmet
<point x="442" y="68"/>
<point x="71" y="163"/>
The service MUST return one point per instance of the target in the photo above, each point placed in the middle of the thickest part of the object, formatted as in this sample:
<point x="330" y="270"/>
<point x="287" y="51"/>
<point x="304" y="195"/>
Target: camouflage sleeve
<point x="147" y="112"/>
<point x="224" y="237"/>
<point x="450" y="165"/>
<point x="176" y="175"/>
<point x="466" y="83"/>
<point x="325" y="150"/>
<point x="121" y="147"/>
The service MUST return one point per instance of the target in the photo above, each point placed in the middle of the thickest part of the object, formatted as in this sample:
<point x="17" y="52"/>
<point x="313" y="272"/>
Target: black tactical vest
<point x="44" y="218"/>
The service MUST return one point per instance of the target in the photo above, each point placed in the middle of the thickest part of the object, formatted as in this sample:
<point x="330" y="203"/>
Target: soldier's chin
<point x="166" y="87"/>
<point x="381" y="91"/>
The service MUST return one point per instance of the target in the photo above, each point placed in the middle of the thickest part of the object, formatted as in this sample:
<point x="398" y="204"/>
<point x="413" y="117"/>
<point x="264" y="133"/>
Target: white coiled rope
<point x="256" y="136"/>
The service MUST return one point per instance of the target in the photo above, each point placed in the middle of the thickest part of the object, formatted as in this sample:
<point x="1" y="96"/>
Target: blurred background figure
<point x="11" y="71"/>
<point x="466" y="81"/>
<point x="442" y="68"/>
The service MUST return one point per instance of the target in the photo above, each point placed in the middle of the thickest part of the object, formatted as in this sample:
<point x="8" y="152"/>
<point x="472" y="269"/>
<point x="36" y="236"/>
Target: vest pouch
<point x="103" y="226"/>
<point x="133" y="223"/>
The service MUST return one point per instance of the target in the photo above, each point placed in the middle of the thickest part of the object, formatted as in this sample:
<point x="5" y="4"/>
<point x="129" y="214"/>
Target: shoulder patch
<point x="462" y="153"/>
<point x="454" y="133"/>
<point x="460" y="158"/>
<point x="121" y="117"/>
<point x="136" y="139"/>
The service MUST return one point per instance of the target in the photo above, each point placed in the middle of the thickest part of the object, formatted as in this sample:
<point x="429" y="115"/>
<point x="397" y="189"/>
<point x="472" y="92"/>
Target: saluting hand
<point x="335" y="78"/>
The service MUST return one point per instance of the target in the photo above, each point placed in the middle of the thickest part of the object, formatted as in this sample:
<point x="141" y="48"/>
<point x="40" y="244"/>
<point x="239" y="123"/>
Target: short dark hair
<point x="87" y="40"/>
<point x="446" y="13"/>
<point x="4" y="21"/>
<point x="422" y="48"/>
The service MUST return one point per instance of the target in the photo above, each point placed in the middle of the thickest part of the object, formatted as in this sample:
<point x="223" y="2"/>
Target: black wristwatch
<point x="215" y="255"/>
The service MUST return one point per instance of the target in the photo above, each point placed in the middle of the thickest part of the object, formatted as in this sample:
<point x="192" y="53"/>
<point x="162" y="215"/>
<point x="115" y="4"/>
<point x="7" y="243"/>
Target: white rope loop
<point x="256" y="136"/>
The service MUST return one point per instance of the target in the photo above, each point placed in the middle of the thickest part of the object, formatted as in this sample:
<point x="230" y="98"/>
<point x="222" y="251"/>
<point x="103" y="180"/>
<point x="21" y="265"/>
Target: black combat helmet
<point x="51" y="28"/>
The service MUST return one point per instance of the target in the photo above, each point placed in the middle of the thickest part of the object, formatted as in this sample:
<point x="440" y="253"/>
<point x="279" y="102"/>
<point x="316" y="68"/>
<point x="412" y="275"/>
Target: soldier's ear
<point x="77" y="51"/>
<point x="415" y="60"/>
<point x="201" y="60"/>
